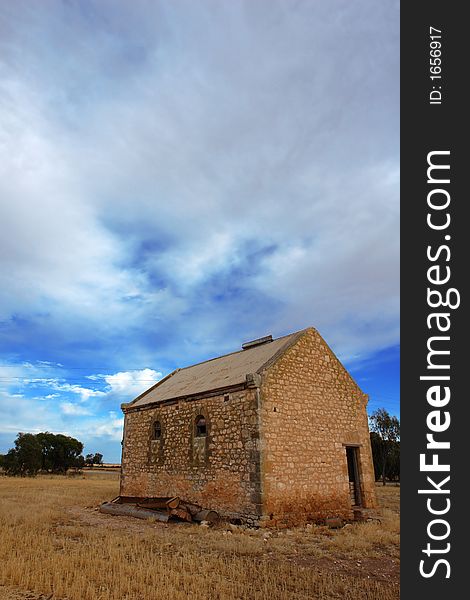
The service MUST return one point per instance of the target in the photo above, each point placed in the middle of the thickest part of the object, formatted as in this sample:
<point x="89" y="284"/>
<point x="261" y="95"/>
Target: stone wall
<point x="312" y="409"/>
<point x="219" y="471"/>
<point x="278" y="452"/>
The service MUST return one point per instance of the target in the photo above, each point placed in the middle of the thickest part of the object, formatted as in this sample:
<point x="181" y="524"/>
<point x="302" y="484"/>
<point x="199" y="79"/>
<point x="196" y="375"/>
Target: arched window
<point x="201" y="428"/>
<point x="157" y="430"/>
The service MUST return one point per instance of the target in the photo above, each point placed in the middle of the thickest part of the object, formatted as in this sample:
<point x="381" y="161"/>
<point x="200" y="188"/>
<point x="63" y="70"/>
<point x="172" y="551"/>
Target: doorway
<point x="352" y="455"/>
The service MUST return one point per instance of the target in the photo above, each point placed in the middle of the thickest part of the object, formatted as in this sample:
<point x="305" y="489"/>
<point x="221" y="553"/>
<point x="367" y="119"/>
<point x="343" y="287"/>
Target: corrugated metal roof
<point x="217" y="373"/>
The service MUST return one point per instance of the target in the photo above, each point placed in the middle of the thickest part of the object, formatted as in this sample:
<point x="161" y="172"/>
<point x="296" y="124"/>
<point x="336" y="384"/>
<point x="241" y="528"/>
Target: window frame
<point x="156" y="427"/>
<point x="197" y="426"/>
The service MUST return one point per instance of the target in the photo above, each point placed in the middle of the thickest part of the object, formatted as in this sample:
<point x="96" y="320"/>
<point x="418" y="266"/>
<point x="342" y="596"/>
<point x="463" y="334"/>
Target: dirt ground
<point x="380" y="568"/>
<point x="360" y="560"/>
<point x="8" y="593"/>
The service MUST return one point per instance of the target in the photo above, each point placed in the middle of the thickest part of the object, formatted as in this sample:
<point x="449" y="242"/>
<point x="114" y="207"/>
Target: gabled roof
<point x="216" y="374"/>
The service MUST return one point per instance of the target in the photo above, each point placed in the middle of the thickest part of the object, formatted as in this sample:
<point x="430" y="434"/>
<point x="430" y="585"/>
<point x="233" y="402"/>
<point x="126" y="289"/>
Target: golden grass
<point x="389" y="496"/>
<point x="52" y="540"/>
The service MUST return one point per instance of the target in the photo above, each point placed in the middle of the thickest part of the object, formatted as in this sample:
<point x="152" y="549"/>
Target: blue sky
<point x="179" y="177"/>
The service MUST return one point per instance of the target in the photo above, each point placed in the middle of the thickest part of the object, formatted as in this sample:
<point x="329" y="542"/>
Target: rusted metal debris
<point x="161" y="509"/>
<point x="164" y="503"/>
<point x="206" y="515"/>
<point x="181" y="513"/>
<point x="131" y="510"/>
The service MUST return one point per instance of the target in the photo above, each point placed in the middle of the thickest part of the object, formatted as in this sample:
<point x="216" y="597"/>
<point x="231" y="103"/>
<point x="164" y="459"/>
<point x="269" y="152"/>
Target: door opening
<point x="353" y="475"/>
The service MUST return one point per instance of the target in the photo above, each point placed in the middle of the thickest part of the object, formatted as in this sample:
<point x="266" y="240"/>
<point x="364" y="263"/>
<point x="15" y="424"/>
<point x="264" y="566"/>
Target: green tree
<point x="97" y="458"/>
<point x="393" y="462"/>
<point x="10" y="462"/>
<point x="387" y="429"/>
<point x="25" y="458"/>
<point x="376" y="445"/>
<point x="393" y="468"/>
<point x="59" y="452"/>
<point x="47" y="441"/>
<point x="93" y="459"/>
<point x="47" y="451"/>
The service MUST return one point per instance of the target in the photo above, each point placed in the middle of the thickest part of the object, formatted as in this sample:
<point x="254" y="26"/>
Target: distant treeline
<point x="103" y="466"/>
<point x="385" y="442"/>
<point x="56" y="453"/>
<point x="47" y="452"/>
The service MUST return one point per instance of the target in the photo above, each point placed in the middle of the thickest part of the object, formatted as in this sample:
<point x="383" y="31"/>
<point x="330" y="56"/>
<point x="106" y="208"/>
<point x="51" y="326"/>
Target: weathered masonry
<point x="274" y="432"/>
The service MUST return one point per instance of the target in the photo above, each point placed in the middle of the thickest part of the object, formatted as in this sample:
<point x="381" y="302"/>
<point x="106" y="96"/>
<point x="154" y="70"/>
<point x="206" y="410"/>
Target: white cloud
<point x="26" y="415"/>
<point x="131" y="383"/>
<point x="124" y="385"/>
<point x="68" y="408"/>
<point x="257" y="145"/>
<point x="111" y="428"/>
<point x="84" y="393"/>
<point x="179" y="194"/>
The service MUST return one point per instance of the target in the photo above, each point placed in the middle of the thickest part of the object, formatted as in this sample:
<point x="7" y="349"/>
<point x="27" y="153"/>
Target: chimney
<point x="264" y="340"/>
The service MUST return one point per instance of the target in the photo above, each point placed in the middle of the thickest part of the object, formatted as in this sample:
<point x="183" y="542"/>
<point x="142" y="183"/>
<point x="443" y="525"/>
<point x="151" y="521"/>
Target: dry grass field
<point x="54" y="544"/>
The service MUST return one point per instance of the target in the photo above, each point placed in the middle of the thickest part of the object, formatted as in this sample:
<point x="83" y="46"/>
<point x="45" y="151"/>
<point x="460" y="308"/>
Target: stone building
<point x="276" y="432"/>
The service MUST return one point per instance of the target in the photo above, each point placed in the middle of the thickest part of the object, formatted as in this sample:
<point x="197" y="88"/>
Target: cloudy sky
<point x="177" y="177"/>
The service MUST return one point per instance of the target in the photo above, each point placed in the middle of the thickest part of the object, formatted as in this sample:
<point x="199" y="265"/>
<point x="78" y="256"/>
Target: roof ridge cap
<point x="238" y="351"/>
